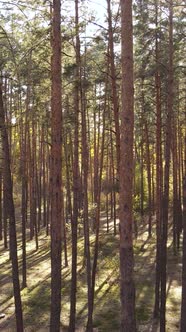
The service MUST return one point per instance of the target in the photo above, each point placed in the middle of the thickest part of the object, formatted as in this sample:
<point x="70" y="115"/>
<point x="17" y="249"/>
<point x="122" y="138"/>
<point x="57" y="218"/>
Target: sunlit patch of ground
<point x="36" y="297"/>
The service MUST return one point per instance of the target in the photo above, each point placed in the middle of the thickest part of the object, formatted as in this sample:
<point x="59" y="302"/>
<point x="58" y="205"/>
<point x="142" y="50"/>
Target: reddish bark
<point x="128" y="321"/>
<point x="56" y="170"/>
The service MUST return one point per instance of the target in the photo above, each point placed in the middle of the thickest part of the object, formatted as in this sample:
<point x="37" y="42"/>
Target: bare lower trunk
<point x="128" y="321"/>
<point x="1" y="219"/>
<point x="183" y="304"/>
<point x="11" y="214"/>
<point x="56" y="170"/>
<point x="165" y="200"/>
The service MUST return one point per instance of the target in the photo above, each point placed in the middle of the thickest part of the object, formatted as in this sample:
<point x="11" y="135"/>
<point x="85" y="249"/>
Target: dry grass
<point x="36" y="297"/>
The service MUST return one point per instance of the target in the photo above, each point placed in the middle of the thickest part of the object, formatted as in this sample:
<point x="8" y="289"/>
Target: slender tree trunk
<point x="64" y="237"/>
<point x="5" y="217"/>
<point x="11" y="214"/>
<point x="113" y="83"/>
<point x="48" y="189"/>
<point x="128" y="321"/>
<point x="180" y="217"/>
<point x="56" y="170"/>
<point x="38" y="179"/>
<point x="89" y="327"/>
<point x="85" y="168"/>
<point x="30" y="177"/>
<point x="96" y="149"/>
<point x="44" y="179"/>
<point x="24" y="184"/>
<point x="85" y="209"/>
<point x="142" y="177"/>
<point x="1" y="201"/>
<point x="114" y="178"/>
<point x="183" y="303"/>
<point x="76" y="182"/>
<point x="107" y="191"/>
<point x="148" y="161"/>
<point x="158" y="174"/>
<point x="68" y="186"/>
<point x="165" y="199"/>
<point x="176" y="231"/>
<point x="23" y="201"/>
<point x="33" y="184"/>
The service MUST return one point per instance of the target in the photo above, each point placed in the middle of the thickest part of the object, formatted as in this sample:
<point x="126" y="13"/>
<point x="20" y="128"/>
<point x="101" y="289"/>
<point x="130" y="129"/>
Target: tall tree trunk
<point x="176" y="231"/>
<point x="76" y="182"/>
<point x="128" y="321"/>
<point x="44" y="178"/>
<point x="114" y="179"/>
<point x="96" y="153"/>
<point x="85" y="165"/>
<point x="56" y="169"/>
<point x="23" y="200"/>
<point x="1" y="201"/>
<point x="89" y="327"/>
<point x="148" y="161"/>
<point x="11" y="214"/>
<point x="183" y="303"/>
<point x="142" y="176"/>
<point x="113" y="83"/>
<point x="158" y="172"/>
<point x="165" y="199"/>
<point x="5" y="216"/>
<point x="30" y="179"/>
<point x="33" y="183"/>
<point x="48" y="186"/>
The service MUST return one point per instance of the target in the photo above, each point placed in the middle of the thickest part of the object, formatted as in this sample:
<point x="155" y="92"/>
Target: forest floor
<point x="36" y="297"/>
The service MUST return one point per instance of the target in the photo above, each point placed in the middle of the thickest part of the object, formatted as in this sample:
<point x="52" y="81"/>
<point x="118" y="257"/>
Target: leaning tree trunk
<point x="128" y="321"/>
<point x="11" y="214"/>
<point x="56" y="170"/>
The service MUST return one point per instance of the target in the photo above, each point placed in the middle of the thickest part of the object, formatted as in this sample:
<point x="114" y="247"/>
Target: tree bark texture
<point x="128" y="321"/>
<point x="56" y="170"/>
<point x="7" y="183"/>
<point x="165" y="199"/>
<point x="183" y="304"/>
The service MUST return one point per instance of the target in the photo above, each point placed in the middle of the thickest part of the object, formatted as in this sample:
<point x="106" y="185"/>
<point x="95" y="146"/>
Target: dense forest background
<point x="71" y="158"/>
